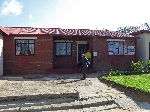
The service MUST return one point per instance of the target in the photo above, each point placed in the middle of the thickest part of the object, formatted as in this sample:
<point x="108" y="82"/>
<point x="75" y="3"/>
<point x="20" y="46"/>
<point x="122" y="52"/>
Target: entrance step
<point x="70" y="70"/>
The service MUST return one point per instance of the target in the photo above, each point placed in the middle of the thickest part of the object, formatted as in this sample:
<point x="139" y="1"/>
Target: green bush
<point x="114" y="73"/>
<point x="148" y="66"/>
<point x="127" y="72"/>
<point x="137" y="67"/>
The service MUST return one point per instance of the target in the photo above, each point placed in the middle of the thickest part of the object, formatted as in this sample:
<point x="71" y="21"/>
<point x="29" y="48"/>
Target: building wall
<point x="44" y="59"/>
<point x="147" y="40"/>
<point x="105" y="62"/>
<point x="141" y="51"/>
<point x="143" y="47"/>
<point x="40" y="63"/>
<point x="69" y="61"/>
<point x="1" y="54"/>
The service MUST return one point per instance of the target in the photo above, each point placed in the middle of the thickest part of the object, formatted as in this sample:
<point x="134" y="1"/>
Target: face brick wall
<point x="69" y="61"/>
<point x="40" y="63"/>
<point x="105" y="62"/>
<point x="44" y="59"/>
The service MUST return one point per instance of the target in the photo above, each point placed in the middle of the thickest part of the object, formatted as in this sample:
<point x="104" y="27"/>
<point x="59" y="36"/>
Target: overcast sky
<point x="75" y="14"/>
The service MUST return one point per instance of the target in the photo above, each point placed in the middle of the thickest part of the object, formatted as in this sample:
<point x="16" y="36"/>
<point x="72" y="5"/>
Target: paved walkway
<point x="69" y="83"/>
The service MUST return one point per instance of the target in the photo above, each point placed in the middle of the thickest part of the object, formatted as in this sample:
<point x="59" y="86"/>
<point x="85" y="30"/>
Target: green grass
<point x="137" y="82"/>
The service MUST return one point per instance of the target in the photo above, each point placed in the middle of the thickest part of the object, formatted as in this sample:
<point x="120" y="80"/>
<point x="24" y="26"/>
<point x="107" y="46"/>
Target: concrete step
<point x="54" y="104"/>
<point x="74" y="95"/>
<point x="102" y="108"/>
<point x="15" y="105"/>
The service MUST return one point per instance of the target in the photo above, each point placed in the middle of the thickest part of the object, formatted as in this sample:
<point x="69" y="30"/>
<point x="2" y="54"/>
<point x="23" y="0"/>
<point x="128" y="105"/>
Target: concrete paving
<point x="56" y="92"/>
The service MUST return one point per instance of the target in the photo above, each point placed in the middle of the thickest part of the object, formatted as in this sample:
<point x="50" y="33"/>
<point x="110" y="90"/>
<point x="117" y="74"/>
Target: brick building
<point x="29" y="50"/>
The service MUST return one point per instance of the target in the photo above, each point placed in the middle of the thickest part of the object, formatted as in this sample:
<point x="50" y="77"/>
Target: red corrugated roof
<point x="59" y="31"/>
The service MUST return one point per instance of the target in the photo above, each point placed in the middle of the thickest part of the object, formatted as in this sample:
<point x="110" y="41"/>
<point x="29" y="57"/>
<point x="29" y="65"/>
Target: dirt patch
<point x="134" y="94"/>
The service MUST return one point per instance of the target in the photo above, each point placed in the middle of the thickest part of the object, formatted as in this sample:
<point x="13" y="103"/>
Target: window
<point x="63" y="48"/>
<point x="115" y="47"/>
<point x="24" y="47"/>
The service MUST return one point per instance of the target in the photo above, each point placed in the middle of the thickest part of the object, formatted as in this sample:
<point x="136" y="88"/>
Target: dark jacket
<point x="84" y="61"/>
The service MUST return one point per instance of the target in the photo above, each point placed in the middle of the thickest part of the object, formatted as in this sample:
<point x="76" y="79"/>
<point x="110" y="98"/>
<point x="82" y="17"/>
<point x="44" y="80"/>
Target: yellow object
<point x="88" y="55"/>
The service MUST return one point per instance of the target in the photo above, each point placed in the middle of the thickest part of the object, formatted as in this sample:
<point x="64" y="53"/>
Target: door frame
<point x="80" y="42"/>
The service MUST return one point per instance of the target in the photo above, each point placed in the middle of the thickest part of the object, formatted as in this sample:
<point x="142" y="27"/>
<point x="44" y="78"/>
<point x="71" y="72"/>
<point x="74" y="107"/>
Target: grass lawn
<point x="137" y="82"/>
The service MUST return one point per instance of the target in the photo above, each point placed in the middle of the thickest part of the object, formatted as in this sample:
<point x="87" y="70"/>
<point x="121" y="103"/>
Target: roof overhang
<point x="4" y="30"/>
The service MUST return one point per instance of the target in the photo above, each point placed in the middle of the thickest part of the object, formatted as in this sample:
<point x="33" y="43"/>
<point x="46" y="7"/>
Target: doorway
<point x="82" y="49"/>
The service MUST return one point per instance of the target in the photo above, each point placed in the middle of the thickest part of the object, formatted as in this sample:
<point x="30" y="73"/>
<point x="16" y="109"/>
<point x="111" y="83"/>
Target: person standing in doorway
<point x="84" y="62"/>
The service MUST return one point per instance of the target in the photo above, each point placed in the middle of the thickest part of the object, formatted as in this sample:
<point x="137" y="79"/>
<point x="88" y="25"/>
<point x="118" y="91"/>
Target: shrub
<point x="137" y="67"/>
<point x="114" y="73"/>
<point x="127" y="72"/>
<point x="148" y="66"/>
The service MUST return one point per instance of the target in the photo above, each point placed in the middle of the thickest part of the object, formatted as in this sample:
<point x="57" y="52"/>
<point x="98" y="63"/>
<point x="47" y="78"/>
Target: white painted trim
<point x="25" y="37"/>
<point x="115" y="40"/>
<point x="81" y="42"/>
<point x="62" y="41"/>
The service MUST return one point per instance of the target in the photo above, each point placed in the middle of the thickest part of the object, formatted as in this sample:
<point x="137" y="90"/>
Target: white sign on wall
<point x="94" y="53"/>
<point x="129" y="50"/>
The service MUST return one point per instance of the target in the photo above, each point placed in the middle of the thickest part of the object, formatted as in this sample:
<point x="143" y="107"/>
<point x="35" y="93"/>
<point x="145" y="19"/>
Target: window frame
<point x="28" y="44"/>
<point x="122" y="48"/>
<point x="64" y="49"/>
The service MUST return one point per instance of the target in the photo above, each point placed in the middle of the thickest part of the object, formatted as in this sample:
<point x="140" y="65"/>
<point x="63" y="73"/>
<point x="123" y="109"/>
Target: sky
<point x="74" y="14"/>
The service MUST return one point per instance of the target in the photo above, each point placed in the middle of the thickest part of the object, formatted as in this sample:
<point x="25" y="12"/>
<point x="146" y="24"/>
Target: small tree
<point x="131" y="29"/>
<point x="128" y="29"/>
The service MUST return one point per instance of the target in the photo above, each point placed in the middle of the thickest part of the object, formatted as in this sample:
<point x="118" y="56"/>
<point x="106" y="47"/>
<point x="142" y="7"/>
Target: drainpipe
<point x="102" y="61"/>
